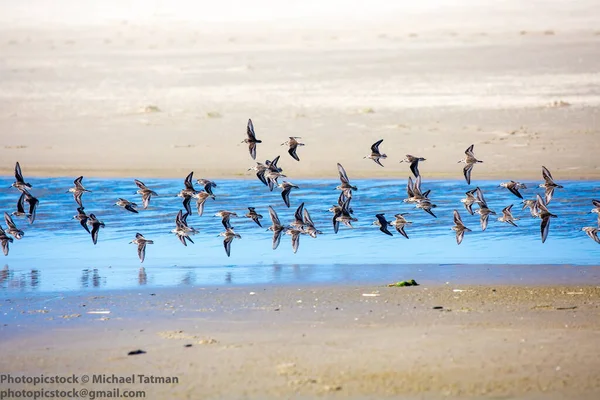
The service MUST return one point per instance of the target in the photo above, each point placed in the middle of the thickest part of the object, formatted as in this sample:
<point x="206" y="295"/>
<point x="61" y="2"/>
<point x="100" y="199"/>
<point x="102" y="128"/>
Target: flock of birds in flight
<point x="269" y="173"/>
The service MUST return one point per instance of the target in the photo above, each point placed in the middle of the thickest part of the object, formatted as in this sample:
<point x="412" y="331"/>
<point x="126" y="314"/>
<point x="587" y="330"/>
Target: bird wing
<point x="18" y="174"/>
<point x="414" y="167"/>
<point x="343" y="175"/>
<point x="250" y="130"/>
<point x="467" y="172"/>
<point x="142" y="251"/>
<point x="375" y="146"/>
<point x="274" y="216"/>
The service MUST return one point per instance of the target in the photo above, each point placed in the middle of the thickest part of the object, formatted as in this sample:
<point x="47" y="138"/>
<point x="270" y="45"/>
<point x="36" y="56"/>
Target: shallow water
<point x="56" y="254"/>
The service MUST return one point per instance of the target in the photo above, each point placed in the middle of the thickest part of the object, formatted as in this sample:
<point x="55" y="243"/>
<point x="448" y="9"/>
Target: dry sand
<point x="156" y="89"/>
<point x="453" y="341"/>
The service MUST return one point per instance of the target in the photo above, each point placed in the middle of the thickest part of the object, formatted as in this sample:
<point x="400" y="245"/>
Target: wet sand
<point x="429" y="341"/>
<point x="147" y="89"/>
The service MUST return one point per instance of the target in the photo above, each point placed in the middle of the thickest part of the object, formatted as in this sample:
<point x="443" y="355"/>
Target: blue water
<point x="56" y="254"/>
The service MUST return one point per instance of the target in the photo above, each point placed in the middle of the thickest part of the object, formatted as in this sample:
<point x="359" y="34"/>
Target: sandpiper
<point x="345" y="185"/>
<point x="33" y="204"/>
<point x="78" y="190"/>
<point x="514" y="187"/>
<point x="145" y="192"/>
<point x="188" y="192"/>
<point x="596" y="209"/>
<point x="309" y="225"/>
<point x="201" y="199"/>
<point x="96" y="225"/>
<point x="459" y="228"/>
<point x="342" y="213"/>
<point x="507" y="216"/>
<point x="548" y="185"/>
<point x="426" y="205"/>
<point x="532" y="204"/>
<point x="592" y="232"/>
<point x="225" y="216"/>
<point x="375" y="153"/>
<point x="126" y="204"/>
<point x="82" y="218"/>
<point x="484" y="211"/>
<point x="182" y="230"/>
<point x="295" y="234"/>
<point x="414" y="164"/>
<point x="4" y="241"/>
<point x="20" y="207"/>
<point x="545" y="216"/>
<point x="382" y="223"/>
<point x="229" y="235"/>
<point x="413" y="191"/>
<point x="470" y="160"/>
<point x="251" y="139"/>
<point x="293" y="145"/>
<point x="254" y="216"/>
<point x="399" y="223"/>
<point x="19" y="182"/>
<point x="141" y="242"/>
<point x="298" y="218"/>
<point x="286" y="188"/>
<point x="276" y="227"/>
<point x="11" y="228"/>
<point x="260" y="172"/>
<point x="469" y="200"/>
<point x="208" y="185"/>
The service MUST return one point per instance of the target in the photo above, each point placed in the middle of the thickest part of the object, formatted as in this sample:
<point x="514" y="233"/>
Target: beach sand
<point x="355" y="342"/>
<point x="157" y="89"/>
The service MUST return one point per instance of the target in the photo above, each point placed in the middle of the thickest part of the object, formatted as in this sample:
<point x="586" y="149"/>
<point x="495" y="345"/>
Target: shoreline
<point x="418" y="341"/>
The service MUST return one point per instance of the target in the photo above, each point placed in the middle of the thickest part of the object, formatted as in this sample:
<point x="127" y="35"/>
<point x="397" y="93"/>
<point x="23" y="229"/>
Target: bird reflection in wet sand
<point x="93" y="278"/>
<point x="142" y="277"/>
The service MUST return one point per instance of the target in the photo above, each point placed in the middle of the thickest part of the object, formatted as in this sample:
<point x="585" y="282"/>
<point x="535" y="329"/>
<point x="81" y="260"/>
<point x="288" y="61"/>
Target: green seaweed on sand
<point x="412" y="282"/>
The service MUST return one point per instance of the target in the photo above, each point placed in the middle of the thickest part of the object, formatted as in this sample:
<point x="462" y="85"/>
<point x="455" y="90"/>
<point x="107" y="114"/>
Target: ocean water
<point x="57" y="254"/>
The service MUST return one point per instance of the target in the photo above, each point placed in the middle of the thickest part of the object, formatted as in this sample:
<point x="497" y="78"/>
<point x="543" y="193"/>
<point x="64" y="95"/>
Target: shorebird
<point x="272" y="173"/>
<point x="298" y="222"/>
<point x="182" y="230"/>
<point x="507" y="216"/>
<point x="514" y="187"/>
<point x="251" y="139"/>
<point x="82" y="218"/>
<point x="225" y="216"/>
<point x="276" y="227"/>
<point x="286" y="188"/>
<point x="295" y="234"/>
<point x="20" y="207"/>
<point x="201" y="199"/>
<point x="188" y="192"/>
<point x="470" y="160"/>
<point x="33" y="204"/>
<point x="592" y="232"/>
<point x="414" y="164"/>
<point x="342" y="213"/>
<point x="309" y="225"/>
<point x="229" y="235"/>
<point x="399" y="223"/>
<point x="545" y="216"/>
<point x="459" y="228"/>
<point x="96" y="225"/>
<point x="78" y="190"/>
<point x="11" y="228"/>
<point x="469" y="200"/>
<point x="254" y="216"/>
<point x="126" y="204"/>
<point x="345" y="185"/>
<point x="548" y="185"/>
<point x="4" y="241"/>
<point x="260" y="172"/>
<point x="532" y="204"/>
<point x="483" y="211"/>
<point x="145" y="192"/>
<point x="426" y="205"/>
<point x="19" y="182"/>
<point x="375" y="154"/>
<point x="293" y="145"/>
<point x="208" y="185"/>
<point x="413" y="191"/>
<point x="141" y="242"/>
<point x="382" y="223"/>
<point x="596" y="209"/>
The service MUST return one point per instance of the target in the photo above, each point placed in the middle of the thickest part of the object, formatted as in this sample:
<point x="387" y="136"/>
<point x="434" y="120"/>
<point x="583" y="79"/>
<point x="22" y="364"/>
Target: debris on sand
<point x="412" y="282"/>
<point x="151" y="109"/>
<point x="136" y="352"/>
